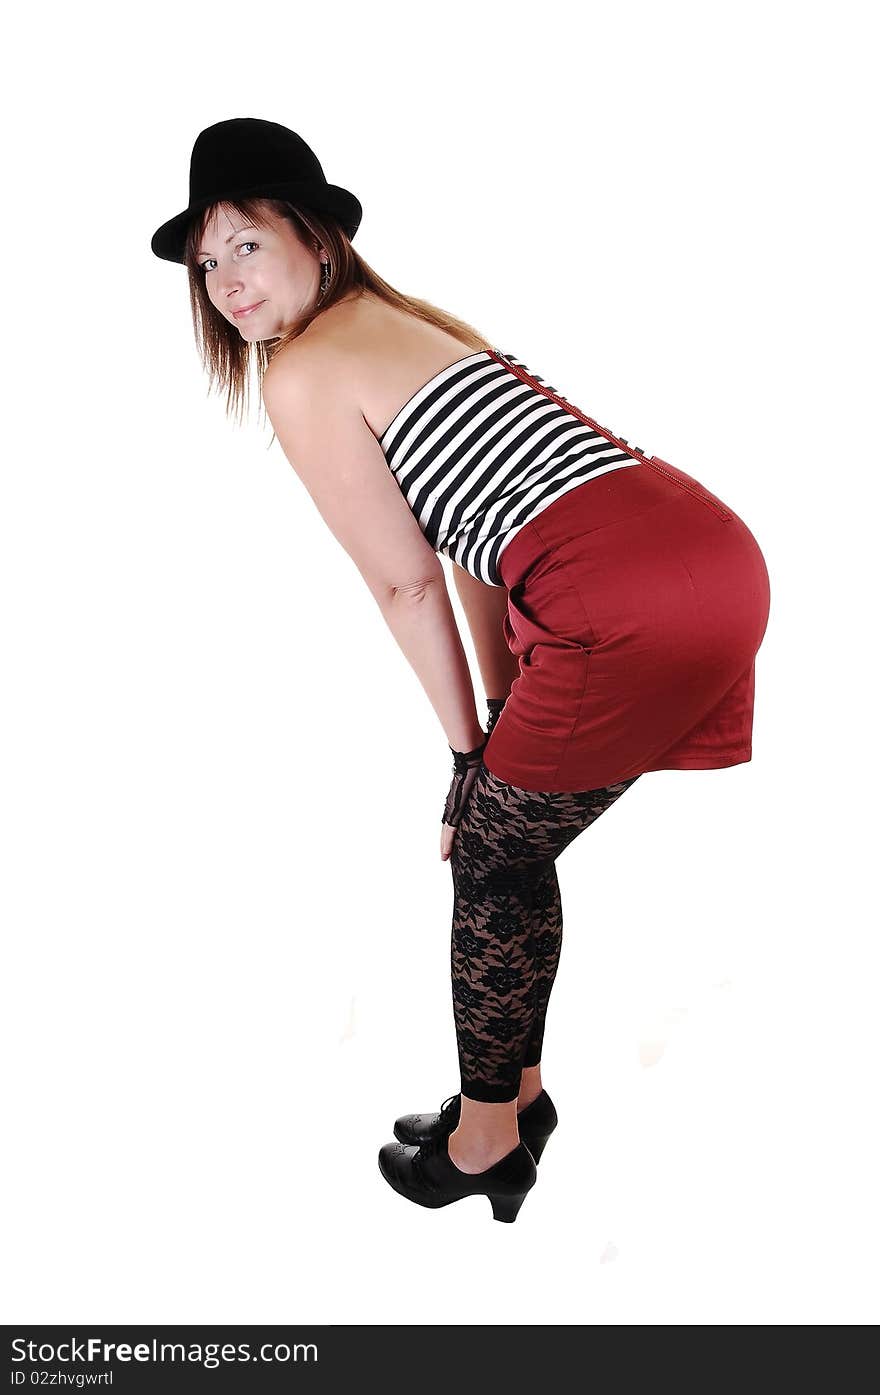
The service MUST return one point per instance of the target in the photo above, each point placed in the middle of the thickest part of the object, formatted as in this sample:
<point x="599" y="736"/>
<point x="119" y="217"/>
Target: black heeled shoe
<point x="427" y="1175"/>
<point x="536" y="1123"/>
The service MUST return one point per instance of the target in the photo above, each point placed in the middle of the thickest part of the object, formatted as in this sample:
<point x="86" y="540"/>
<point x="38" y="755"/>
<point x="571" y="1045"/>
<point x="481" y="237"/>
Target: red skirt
<point x="636" y="605"/>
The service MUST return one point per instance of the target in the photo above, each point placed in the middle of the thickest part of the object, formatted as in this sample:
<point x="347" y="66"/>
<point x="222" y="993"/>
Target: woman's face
<point x="267" y="266"/>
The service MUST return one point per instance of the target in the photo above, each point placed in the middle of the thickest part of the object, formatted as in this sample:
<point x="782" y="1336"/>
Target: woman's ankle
<point x="530" y="1086"/>
<point x="485" y="1133"/>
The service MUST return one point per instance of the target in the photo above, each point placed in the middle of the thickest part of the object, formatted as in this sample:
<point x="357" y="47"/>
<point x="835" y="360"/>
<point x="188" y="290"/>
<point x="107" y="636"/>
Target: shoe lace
<point x="426" y="1150"/>
<point x="431" y="1147"/>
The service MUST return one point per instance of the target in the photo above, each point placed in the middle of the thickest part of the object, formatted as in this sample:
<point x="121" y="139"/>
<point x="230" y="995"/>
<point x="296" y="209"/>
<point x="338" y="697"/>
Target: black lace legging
<point x="507" y="924"/>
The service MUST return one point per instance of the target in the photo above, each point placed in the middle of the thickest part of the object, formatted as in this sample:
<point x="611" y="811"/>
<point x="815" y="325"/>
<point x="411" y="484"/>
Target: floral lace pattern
<point x="507" y="923"/>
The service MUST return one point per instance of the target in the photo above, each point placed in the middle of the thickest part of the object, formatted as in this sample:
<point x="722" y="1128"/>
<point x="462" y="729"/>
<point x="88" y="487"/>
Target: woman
<point x="615" y="604"/>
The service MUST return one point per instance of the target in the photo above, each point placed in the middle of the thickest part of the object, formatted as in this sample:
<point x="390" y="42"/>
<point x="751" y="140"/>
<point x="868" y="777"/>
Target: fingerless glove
<point x="467" y="765"/>
<point x="494" y="705"/>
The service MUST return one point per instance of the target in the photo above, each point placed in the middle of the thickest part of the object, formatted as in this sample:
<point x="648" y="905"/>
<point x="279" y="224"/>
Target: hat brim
<point x="169" y="241"/>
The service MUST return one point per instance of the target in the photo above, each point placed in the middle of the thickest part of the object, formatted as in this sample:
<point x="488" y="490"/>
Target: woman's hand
<point x="467" y="768"/>
<point x="447" y="838"/>
<point x="447" y="835"/>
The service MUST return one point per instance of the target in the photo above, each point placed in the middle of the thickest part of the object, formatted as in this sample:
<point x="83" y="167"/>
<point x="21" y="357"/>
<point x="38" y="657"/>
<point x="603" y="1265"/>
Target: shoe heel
<point x="505" y="1208"/>
<point x="536" y="1146"/>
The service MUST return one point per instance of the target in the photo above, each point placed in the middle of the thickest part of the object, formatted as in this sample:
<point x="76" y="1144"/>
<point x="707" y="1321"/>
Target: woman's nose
<point x="232" y="290"/>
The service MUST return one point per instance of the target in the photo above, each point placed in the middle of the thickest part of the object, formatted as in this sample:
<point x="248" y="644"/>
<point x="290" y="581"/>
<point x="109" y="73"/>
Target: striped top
<point x="482" y="448"/>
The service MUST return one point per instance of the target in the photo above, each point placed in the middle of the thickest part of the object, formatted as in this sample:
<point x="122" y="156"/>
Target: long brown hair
<point x="228" y="358"/>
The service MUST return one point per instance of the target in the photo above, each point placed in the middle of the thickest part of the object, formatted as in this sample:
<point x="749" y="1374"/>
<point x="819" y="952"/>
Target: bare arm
<point x="329" y="444"/>
<point x="485" y="608"/>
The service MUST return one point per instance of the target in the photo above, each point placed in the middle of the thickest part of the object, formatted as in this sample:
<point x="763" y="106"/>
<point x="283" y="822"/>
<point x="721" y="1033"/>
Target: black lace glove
<point x="467" y="765"/>
<point x="494" y="705"/>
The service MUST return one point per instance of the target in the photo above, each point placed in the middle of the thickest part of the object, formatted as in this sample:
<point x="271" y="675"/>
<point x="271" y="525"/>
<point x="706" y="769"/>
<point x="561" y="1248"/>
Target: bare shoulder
<point x="308" y="366"/>
<point x="325" y="355"/>
<point x="364" y="355"/>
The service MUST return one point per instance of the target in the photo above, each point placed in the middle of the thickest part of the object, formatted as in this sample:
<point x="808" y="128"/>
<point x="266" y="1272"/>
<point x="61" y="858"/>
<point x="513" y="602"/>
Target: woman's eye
<point x="204" y="265"/>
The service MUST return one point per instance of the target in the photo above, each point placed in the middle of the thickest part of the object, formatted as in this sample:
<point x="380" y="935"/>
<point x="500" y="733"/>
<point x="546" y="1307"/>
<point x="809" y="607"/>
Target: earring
<point x="325" y="276"/>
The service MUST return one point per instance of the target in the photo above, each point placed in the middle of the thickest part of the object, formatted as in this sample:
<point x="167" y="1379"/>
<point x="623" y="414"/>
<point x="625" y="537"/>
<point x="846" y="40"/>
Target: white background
<point x="225" y="918"/>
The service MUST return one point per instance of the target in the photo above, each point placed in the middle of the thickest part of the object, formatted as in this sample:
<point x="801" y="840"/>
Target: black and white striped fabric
<point x="478" y="453"/>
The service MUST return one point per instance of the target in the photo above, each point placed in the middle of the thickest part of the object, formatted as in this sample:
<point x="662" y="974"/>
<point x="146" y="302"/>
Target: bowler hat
<point x="246" y="157"/>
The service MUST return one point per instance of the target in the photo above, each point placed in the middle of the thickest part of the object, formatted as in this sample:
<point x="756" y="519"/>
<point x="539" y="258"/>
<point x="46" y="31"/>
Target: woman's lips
<point x="237" y="314"/>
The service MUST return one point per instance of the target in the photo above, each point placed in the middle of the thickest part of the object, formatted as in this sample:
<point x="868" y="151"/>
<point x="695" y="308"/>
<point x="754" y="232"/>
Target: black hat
<point x="247" y="157"/>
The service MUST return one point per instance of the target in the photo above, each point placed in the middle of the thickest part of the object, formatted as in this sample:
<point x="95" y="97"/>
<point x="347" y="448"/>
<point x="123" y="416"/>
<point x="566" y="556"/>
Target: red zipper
<point x="652" y="461"/>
